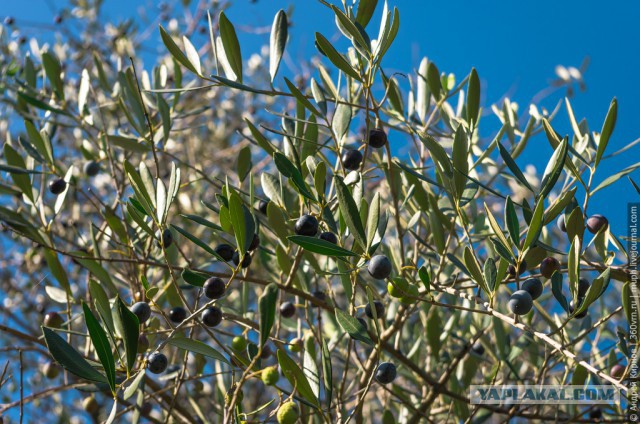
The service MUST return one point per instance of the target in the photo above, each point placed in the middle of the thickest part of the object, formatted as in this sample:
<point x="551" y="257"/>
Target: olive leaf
<point x="278" y="41"/>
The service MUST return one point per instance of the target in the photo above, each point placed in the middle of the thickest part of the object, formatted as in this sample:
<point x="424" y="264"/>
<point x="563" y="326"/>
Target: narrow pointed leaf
<point x="556" y="289"/>
<point x="101" y="345"/>
<point x="231" y="46"/>
<point x="336" y="58"/>
<point x="69" y="358"/>
<point x="296" y="377"/>
<point x="278" y="41"/>
<point x="473" y="98"/>
<point x="320" y="246"/>
<point x="535" y="227"/>
<point x="126" y="322"/>
<point x="353" y="327"/>
<point x="473" y="267"/>
<point x="175" y="51"/>
<point x="511" y="218"/>
<point x="365" y="11"/>
<point x="607" y="129"/>
<point x="554" y="168"/>
<point x="196" y="346"/>
<point x="267" y="309"/>
<point x="511" y="164"/>
<point x="350" y="212"/>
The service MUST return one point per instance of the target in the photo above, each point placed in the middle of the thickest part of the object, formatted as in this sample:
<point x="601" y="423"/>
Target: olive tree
<point x="210" y="238"/>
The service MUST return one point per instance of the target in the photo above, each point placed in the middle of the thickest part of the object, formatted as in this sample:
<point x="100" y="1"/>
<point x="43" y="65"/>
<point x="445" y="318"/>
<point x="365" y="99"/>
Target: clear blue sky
<point x="515" y="47"/>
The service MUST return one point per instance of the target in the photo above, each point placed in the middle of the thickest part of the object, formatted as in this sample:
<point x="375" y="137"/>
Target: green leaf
<point x="309" y="366"/>
<point x="423" y="273"/>
<point x="554" y="168"/>
<point x="53" y="70"/>
<point x="633" y="183"/>
<point x="349" y="212"/>
<point x="192" y="55"/>
<point x="175" y="51"/>
<point x="574" y="266"/>
<point x="294" y="374"/>
<point x="287" y="169"/>
<point x="336" y="58"/>
<point x="341" y="120"/>
<point x="434" y="331"/>
<point x="615" y="177"/>
<point x="101" y="345"/>
<point x="555" y="141"/>
<point x="114" y="411"/>
<point x="491" y="275"/>
<point x="196" y="346"/>
<point x="267" y="310"/>
<point x="128" y="143"/>
<point x="352" y="31"/>
<point x="373" y="219"/>
<point x="145" y="194"/>
<point x="133" y="387"/>
<point x="244" y="164"/>
<point x="575" y="224"/>
<point x="353" y="327"/>
<point x="556" y="289"/>
<point x="318" y="96"/>
<point x="161" y="200"/>
<point x="20" y="179"/>
<point x="596" y="290"/>
<point x="278" y="41"/>
<point x="242" y="222"/>
<point x="301" y="97"/>
<point x="504" y="251"/>
<point x="365" y="11"/>
<point x="202" y="221"/>
<point x="513" y="166"/>
<point x="607" y="129"/>
<point x="260" y="138"/>
<point x="579" y="376"/>
<point x="535" y="227"/>
<point x="320" y="246"/>
<point x="41" y="144"/>
<point x="496" y="228"/>
<point x="18" y="171"/>
<point x="40" y="104"/>
<point x="56" y="268"/>
<point x="194" y="278"/>
<point x="511" y="218"/>
<point x="473" y="98"/>
<point x="102" y="304"/>
<point x="320" y="179"/>
<point x="231" y="47"/>
<point x="433" y="80"/>
<point x="438" y="154"/>
<point x="473" y="267"/>
<point x="95" y="268"/>
<point x="389" y="34"/>
<point x="327" y="372"/>
<point x="197" y="241"/>
<point x="460" y="156"/>
<point x="69" y="358"/>
<point x="559" y="205"/>
<point x="126" y="323"/>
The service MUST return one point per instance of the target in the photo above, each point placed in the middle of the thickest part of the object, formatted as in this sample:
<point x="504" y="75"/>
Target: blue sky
<point x="515" y="47"/>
